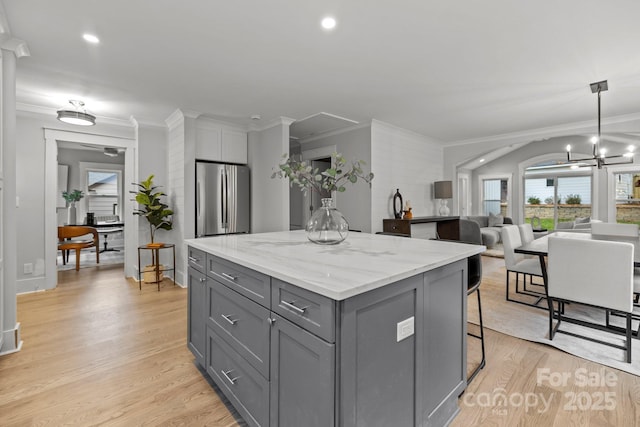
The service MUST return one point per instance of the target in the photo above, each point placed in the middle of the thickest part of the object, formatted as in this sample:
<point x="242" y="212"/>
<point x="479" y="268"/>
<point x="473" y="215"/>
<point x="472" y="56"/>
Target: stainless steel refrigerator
<point x="222" y="199"/>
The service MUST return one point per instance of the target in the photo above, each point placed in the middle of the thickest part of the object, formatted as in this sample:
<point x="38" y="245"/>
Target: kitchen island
<point x="370" y="332"/>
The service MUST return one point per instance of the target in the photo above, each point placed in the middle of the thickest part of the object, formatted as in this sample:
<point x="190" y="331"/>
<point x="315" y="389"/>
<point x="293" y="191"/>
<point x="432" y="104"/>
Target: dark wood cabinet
<point x="447" y="227"/>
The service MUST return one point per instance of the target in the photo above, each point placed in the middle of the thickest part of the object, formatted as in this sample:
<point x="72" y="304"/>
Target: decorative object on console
<point x="71" y="198"/>
<point x="407" y="210"/>
<point x="443" y="190"/>
<point x="78" y="115"/>
<point x="327" y="226"/>
<point x="397" y="204"/>
<point x="599" y="157"/>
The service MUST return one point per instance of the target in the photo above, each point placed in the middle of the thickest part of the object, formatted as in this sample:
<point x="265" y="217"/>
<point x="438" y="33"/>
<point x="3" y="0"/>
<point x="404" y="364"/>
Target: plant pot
<point x="149" y="273"/>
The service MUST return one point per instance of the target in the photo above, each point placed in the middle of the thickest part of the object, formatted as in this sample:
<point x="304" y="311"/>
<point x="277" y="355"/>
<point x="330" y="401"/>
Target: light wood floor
<point x="98" y="351"/>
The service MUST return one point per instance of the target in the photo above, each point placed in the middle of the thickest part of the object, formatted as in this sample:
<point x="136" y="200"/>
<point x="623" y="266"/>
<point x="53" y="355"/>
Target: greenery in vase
<point x="151" y="206"/>
<point x="304" y="175"/>
<point x="72" y="196"/>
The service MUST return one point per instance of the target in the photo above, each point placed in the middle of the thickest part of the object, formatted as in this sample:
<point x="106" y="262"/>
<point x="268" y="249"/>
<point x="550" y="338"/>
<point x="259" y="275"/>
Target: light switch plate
<point x="405" y="329"/>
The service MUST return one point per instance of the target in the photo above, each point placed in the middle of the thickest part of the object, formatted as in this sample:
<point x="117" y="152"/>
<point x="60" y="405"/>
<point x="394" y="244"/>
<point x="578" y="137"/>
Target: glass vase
<point x="327" y="226"/>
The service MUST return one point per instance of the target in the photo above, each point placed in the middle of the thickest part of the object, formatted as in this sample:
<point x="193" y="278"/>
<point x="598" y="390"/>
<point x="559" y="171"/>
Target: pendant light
<point x="77" y="115"/>
<point x="599" y="157"/>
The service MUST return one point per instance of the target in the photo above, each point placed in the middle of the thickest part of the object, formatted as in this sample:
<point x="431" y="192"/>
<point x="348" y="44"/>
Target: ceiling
<point x="447" y="70"/>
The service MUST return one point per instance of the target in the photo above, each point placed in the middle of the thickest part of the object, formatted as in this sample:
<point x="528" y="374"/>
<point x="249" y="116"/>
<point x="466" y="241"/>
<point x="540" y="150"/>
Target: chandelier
<point x="599" y="157"/>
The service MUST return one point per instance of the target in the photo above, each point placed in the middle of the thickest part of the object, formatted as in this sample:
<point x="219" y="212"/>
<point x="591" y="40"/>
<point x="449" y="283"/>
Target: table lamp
<point x="443" y="190"/>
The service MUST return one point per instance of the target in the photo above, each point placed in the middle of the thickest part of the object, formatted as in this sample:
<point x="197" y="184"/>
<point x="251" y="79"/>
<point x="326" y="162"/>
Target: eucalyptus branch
<point x="308" y="178"/>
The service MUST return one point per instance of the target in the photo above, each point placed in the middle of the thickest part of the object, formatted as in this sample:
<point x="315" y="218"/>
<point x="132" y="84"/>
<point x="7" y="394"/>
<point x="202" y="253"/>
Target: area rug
<point x="88" y="259"/>
<point x="532" y="324"/>
<point x="497" y="251"/>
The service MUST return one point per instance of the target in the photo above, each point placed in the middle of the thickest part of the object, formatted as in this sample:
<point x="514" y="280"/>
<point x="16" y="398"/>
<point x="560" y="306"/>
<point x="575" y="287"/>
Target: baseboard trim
<point x="31" y="285"/>
<point x="11" y="342"/>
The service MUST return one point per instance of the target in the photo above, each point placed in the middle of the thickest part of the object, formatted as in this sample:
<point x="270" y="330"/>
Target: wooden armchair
<point x="68" y="239"/>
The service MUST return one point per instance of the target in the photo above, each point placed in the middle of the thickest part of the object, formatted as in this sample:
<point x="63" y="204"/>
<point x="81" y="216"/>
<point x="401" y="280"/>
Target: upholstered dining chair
<point x="597" y="273"/>
<point x="518" y="263"/>
<point x="615" y="229"/>
<point x="77" y="237"/>
<point x="526" y="233"/>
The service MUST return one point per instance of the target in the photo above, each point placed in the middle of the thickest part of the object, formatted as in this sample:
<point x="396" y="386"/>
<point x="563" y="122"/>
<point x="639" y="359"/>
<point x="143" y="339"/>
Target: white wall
<point x="152" y="155"/>
<point x="269" y="197"/>
<point x="403" y="160"/>
<point x="355" y="202"/>
<point x="30" y="185"/>
<point x="175" y="187"/>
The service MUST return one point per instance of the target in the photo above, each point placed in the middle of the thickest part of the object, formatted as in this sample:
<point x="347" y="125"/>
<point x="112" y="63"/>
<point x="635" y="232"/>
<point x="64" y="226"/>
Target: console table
<point x="447" y="227"/>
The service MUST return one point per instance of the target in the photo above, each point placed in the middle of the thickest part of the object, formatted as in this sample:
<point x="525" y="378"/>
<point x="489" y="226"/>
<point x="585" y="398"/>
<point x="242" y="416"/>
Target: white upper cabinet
<point x="234" y="146"/>
<point x="220" y="143"/>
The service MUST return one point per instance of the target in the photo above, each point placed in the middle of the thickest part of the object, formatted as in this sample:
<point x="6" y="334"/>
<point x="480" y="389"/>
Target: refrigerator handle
<point x="226" y="196"/>
<point x="223" y="197"/>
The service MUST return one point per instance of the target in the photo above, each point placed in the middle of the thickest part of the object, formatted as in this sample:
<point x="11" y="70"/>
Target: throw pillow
<point x="495" y="220"/>
<point x="583" y="220"/>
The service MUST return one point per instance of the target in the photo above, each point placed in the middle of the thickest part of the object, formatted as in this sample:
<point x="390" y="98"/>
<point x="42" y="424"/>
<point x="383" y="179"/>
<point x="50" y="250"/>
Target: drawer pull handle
<point x="192" y="259"/>
<point x="226" y="375"/>
<point x="271" y="320"/>
<point x="202" y="279"/>
<point x="291" y="305"/>
<point x="229" y="277"/>
<point x="228" y="319"/>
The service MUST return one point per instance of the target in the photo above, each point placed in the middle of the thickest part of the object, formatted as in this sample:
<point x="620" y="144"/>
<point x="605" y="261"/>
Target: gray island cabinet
<point x="370" y="332"/>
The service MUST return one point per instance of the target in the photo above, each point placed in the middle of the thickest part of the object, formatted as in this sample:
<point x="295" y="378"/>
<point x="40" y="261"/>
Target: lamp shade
<point x="442" y="190"/>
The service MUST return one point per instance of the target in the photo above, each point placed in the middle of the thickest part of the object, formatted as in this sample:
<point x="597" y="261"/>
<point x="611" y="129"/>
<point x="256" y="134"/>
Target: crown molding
<point x="17" y="46"/>
<point x="407" y="132"/>
<point x="334" y="132"/>
<point x="280" y="121"/>
<point x="533" y="134"/>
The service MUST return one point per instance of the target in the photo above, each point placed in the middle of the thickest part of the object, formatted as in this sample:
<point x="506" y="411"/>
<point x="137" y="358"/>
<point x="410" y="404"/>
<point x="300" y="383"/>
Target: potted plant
<point x="327" y="225"/>
<point x="158" y="215"/>
<point x="71" y="197"/>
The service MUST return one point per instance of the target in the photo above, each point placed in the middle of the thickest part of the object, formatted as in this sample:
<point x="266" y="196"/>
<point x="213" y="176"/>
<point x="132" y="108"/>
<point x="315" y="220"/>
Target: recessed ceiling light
<point x="91" y="38"/>
<point x="481" y="160"/>
<point x="328" y="23"/>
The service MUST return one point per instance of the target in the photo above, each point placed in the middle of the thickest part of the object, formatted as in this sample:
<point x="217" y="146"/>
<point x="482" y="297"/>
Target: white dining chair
<point x="615" y="229"/>
<point x="518" y="263"/>
<point x="526" y="233"/>
<point x="597" y="273"/>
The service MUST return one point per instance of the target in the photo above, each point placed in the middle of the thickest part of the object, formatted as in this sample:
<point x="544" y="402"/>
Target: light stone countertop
<point x="359" y="264"/>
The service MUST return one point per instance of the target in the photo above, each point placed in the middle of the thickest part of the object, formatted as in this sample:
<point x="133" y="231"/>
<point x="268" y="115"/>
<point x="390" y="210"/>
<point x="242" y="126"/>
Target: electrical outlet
<point x="28" y="268"/>
<point x="405" y="329"/>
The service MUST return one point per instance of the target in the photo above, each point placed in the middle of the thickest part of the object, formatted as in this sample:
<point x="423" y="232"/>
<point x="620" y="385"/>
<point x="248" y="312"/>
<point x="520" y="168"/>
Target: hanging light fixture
<point x="77" y="115"/>
<point x="599" y="157"/>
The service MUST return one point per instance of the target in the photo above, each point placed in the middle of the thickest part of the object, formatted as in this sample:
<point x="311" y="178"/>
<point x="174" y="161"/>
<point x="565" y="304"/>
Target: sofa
<point x="490" y="226"/>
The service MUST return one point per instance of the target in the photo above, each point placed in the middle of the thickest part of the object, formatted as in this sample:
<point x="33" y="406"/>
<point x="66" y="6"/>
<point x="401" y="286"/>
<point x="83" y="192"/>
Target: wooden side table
<point x="155" y="257"/>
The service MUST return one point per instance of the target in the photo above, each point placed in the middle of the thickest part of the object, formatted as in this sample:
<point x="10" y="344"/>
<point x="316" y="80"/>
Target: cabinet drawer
<point x="313" y="312"/>
<point x="247" y="390"/>
<point x="251" y="284"/>
<point x="398" y="226"/>
<point x="242" y="323"/>
<point x="197" y="259"/>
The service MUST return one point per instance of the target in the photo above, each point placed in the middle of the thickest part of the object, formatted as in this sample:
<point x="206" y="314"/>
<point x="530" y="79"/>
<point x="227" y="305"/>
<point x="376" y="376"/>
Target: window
<point x="556" y="194"/>
<point x="495" y="196"/>
<point x="627" y="197"/>
<point x="103" y="192"/>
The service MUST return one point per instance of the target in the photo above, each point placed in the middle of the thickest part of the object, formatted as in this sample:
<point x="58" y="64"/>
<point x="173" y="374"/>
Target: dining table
<point x="540" y="247"/>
